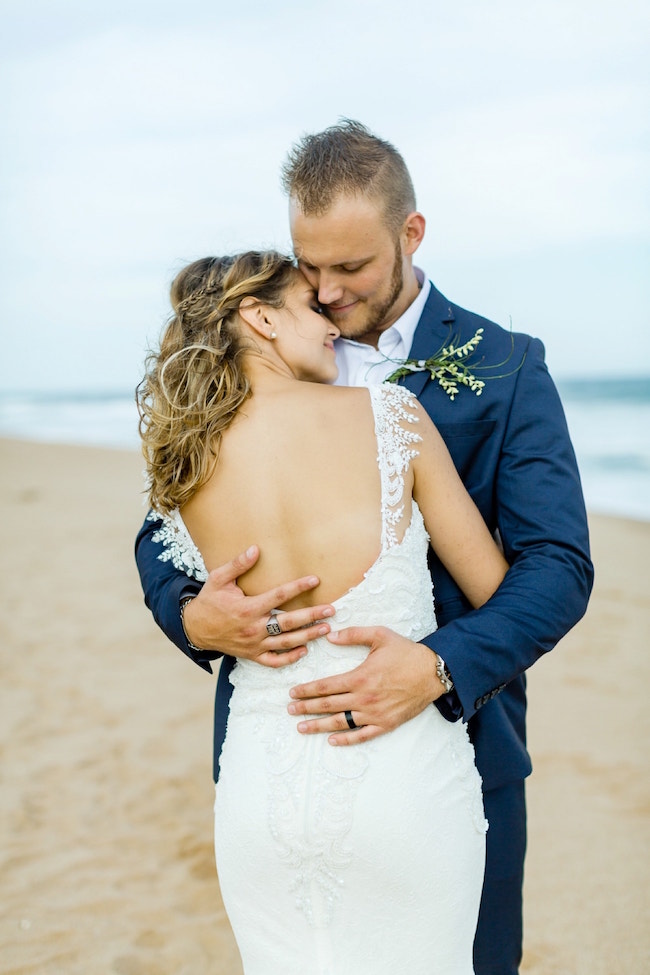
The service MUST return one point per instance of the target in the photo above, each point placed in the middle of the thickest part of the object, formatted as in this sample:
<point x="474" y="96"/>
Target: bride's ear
<point x="256" y="315"/>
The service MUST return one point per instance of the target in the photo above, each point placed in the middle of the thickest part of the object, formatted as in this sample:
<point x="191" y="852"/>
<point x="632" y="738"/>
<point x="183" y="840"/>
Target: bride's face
<point x="305" y="337"/>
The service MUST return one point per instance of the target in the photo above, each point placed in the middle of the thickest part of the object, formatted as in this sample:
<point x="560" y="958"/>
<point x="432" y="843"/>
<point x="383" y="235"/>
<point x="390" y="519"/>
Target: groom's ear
<point x="412" y="233"/>
<point x="254" y="313"/>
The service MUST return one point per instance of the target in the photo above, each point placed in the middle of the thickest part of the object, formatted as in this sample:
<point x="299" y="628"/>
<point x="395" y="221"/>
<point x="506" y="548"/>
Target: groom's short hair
<point x="347" y="159"/>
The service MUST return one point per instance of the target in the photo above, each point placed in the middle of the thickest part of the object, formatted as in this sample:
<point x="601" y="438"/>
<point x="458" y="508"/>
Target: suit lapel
<point x="433" y="331"/>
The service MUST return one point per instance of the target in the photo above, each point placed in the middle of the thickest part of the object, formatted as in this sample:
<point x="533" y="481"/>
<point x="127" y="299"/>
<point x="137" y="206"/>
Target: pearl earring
<point x="273" y="335"/>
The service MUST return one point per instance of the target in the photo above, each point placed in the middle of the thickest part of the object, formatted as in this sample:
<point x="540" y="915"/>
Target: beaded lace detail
<point x="178" y="546"/>
<point x="394" y="409"/>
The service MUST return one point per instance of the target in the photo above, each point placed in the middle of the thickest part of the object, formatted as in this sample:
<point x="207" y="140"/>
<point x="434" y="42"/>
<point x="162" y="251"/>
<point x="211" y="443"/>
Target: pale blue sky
<point x="138" y="136"/>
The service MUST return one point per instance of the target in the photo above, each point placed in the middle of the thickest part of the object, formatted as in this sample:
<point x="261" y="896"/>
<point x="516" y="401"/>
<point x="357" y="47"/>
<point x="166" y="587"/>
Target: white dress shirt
<point x="363" y="365"/>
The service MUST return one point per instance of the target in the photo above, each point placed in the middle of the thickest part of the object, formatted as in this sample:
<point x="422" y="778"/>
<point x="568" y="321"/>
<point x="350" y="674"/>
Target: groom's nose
<point x="330" y="289"/>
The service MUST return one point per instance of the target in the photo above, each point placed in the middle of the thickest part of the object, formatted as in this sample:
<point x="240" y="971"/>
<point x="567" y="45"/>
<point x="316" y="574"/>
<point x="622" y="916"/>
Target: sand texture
<point x="106" y="862"/>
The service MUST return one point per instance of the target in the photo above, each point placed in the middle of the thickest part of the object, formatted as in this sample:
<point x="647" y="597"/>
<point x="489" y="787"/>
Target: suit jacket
<point x="512" y="449"/>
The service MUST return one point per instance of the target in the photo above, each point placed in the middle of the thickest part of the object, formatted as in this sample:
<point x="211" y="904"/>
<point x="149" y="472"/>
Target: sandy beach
<point x="106" y="800"/>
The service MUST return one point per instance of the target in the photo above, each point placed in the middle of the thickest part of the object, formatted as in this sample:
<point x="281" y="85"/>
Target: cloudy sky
<point x="137" y="136"/>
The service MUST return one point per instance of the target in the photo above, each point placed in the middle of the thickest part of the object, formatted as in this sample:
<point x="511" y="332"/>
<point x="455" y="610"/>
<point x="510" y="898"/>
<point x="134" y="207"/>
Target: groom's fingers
<point x="273" y="658"/>
<point x="265" y="602"/>
<point x="337" y="728"/>
<point x="324" y="696"/>
<point x="363" y="733"/>
<point x="299" y="626"/>
<point x="229" y="571"/>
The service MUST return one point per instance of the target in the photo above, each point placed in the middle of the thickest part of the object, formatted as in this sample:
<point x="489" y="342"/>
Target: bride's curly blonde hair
<point x="195" y="384"/>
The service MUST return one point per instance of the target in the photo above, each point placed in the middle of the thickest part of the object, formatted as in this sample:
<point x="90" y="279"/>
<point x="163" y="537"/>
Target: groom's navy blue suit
<point x="513" y="452"/>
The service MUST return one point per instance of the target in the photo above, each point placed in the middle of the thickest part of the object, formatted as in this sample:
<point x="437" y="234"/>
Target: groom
<point x="355" y="229"/>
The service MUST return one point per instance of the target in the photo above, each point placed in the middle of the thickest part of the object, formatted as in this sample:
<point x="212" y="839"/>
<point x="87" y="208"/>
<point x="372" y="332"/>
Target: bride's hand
<point x="222" y="618"/>
<point x="396" y="681"/>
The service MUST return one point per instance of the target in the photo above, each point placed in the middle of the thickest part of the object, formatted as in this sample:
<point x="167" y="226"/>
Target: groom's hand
<point x="395" y="682"/>
<point x="222" y="618"/>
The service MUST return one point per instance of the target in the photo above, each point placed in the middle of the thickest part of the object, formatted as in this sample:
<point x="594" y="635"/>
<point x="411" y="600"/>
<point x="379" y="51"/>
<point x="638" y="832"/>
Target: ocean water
<point x="609" y="421"/>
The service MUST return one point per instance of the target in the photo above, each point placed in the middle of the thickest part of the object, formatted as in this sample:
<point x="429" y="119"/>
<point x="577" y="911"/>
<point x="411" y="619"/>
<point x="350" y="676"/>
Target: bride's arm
<point x="458" y="534"/>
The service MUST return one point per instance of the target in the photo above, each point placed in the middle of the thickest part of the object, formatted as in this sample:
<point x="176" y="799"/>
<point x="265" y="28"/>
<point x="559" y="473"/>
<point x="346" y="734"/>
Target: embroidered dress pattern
<point x="178" y="546"/>
<point x="395" y="453"/>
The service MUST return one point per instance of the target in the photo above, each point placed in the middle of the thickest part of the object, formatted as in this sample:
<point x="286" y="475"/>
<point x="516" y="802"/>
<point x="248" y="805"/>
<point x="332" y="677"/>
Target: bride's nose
<point x="333" y="331"/>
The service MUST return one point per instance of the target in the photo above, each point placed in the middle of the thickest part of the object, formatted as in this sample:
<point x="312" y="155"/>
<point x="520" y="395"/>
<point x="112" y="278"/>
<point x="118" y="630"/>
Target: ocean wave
<point x="609" y="422"/>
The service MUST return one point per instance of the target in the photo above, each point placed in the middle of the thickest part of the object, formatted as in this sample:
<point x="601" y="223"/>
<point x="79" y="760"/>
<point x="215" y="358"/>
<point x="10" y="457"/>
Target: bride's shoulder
<point x="344" y="396"/>
<point x="388" y="402"/>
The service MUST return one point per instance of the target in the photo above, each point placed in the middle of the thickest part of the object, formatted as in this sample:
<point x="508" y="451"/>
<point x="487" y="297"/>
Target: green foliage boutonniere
<point x="449" y="366"/>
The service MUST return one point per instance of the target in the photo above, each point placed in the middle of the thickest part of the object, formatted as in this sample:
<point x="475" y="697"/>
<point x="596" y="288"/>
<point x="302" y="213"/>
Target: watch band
<point x="443" y="674"/>
<point x="184" y="602"/>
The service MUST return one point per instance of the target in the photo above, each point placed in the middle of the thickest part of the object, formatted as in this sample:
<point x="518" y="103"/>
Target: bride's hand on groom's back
<point x="221" y="617"/>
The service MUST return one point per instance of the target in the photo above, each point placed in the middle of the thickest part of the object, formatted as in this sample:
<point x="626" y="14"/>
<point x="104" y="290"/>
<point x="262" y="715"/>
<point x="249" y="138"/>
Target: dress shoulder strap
<point x="394" y="409"/>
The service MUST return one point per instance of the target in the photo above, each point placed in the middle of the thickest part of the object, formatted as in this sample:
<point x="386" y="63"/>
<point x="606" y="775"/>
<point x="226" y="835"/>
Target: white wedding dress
<point x="360" y="860"/>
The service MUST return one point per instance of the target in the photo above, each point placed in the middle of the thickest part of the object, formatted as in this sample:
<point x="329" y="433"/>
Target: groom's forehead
<point x="345" y="213"/>
<point x="347" y="232"/>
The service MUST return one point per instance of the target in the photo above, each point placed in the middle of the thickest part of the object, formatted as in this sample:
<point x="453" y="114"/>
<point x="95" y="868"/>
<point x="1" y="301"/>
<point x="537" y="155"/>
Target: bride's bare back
<point x="297" y="475"/>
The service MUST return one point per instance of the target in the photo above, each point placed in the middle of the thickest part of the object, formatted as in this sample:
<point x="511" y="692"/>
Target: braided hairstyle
<point x="195" y="384"/>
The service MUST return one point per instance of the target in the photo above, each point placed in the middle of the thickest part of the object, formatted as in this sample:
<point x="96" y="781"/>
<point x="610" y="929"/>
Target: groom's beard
<point x="382" y="312"/>
<point x="377" y="309"/>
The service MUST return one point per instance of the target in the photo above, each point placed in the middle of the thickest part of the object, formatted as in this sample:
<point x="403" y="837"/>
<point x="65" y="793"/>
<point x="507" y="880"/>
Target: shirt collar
<point x="407" y="323"/>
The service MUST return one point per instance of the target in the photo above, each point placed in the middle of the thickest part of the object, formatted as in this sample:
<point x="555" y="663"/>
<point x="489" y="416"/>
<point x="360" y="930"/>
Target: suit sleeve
<point x="543" y="525"/>
<point x="164" y="587"/>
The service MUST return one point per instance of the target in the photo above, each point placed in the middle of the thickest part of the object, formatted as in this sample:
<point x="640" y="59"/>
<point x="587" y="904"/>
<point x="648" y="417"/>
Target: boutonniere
<point x="450" y="366"/>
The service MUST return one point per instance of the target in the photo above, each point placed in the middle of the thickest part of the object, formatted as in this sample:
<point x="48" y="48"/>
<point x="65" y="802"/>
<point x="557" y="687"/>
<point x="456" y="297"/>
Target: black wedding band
<point x="350" y="720"/>
<point x="272" y="626"/>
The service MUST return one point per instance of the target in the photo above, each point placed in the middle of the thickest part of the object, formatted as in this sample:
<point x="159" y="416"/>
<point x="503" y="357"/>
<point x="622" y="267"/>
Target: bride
<point x="364" y="860"/>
